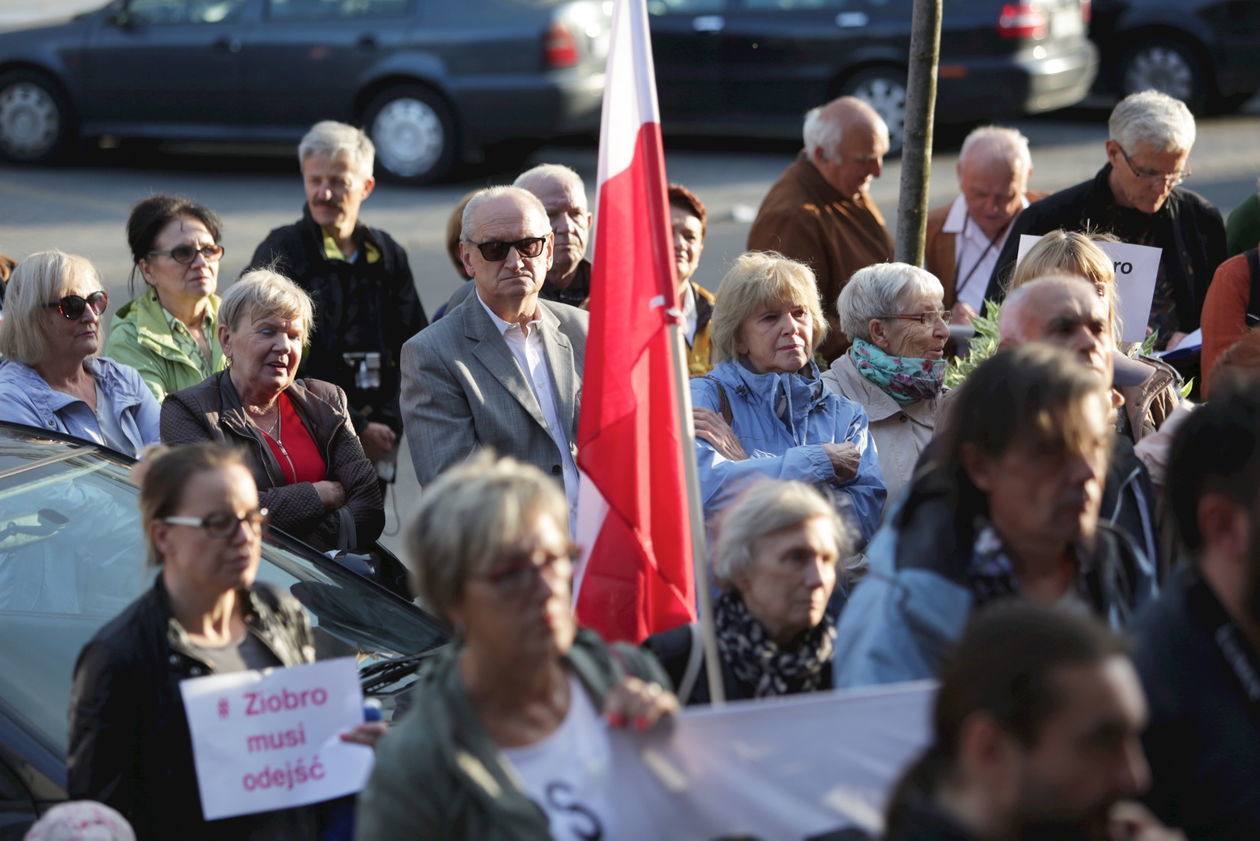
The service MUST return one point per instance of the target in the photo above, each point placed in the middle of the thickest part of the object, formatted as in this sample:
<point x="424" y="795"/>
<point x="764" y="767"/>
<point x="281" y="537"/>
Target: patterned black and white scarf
<point x="757" y="661"/>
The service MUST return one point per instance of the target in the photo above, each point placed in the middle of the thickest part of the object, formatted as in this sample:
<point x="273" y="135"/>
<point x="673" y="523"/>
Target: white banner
<point x="1137" y="267"/>
<point x="778" y="770"/>
<point x="267" y="740"/>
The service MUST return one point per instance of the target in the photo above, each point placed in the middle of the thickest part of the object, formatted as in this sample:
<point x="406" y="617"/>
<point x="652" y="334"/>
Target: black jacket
<point x="359" y="307"/>
<point x="1188" y="228"/>
<point x="212" y="411"/>
<point x="129" y="741"/>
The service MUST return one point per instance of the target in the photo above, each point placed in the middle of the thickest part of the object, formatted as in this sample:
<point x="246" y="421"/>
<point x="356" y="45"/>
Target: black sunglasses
<point x="494" y="251"/>
<point x="72" y="306"/>
<point x="185" y="254"/>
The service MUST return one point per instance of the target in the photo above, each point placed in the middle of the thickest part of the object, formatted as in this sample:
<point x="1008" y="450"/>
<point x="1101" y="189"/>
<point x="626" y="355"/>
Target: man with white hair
<point x="965" y="237"/>
<point x="1135" y="197"/>
<point x="820" y="211"/>
<point x="359" y="279"/>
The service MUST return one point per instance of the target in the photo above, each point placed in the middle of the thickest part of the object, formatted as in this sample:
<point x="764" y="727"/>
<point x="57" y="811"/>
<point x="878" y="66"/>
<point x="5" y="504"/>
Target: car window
<point x="336" y="9"/>
<point x="813" y="5"/>
<point x="72" y="557"/>
<point x="184" y="11"/>
<point x="686" y="7"/>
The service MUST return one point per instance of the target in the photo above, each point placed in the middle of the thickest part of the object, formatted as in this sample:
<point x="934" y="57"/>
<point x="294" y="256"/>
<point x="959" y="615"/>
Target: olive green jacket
<point x="438" y="774"/>
<point x="140" y="336"/>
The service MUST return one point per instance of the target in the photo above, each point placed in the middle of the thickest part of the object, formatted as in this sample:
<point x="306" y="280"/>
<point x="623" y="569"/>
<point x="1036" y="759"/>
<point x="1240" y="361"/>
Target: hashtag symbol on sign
<point x="223" y="708"/>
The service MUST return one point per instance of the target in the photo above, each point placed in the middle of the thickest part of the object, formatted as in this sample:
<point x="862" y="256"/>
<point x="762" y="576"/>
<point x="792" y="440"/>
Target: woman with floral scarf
<point x="895" y="316"/>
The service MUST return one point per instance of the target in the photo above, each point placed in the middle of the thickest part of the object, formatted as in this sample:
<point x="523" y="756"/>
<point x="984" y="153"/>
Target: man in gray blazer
<point x="503" y="369"/>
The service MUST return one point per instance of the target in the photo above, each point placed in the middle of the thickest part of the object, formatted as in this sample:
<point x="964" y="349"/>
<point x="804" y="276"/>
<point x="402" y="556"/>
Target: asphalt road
<point x="82" y="207"/>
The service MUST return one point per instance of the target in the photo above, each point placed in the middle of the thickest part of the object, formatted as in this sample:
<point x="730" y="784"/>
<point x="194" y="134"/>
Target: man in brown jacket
<point x="819" y="211"/>
<point x="965" y="237"/>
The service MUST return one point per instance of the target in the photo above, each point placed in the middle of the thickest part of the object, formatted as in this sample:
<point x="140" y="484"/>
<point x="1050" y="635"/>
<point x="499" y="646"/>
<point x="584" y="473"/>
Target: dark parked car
<point x="430" y="81"/>
<point x="72" y="557"/>
<point x="1204" y="52"/>
<point x="755" y="66"/>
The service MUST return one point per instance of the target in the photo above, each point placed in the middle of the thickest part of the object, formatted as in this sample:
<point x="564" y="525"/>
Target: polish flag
<point x="632" y="517"/>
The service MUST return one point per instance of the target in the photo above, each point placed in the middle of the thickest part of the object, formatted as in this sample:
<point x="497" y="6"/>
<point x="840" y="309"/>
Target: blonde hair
<point x="1073" y="253"/>
<point x="263" y="292"/>
<point x="40" y="279"/>
<point x="759" y="278"/>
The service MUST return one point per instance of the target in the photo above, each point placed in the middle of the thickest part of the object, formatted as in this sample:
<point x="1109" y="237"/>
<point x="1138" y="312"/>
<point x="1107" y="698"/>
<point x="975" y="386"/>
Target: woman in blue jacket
<point x="51" y="376"/>
<point x="763" y="410"/>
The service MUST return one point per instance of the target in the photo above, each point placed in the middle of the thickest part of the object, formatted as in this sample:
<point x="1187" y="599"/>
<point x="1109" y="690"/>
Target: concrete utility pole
<point x="916" y="150"/>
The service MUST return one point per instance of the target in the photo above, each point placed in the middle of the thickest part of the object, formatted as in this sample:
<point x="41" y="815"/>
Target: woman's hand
<point x="845" y="459"/>
<point x="713" y="428"/>
<point x="331" y="494"/>
<point x="638" y="704"/>
<point x="368" y="733"/>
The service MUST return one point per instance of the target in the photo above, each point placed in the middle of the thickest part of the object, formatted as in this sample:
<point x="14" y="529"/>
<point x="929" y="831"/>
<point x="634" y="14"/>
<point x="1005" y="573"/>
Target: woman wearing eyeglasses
<point x="763" y="411"/>
<point x="51" y="376"/>
<point x="300" y="443"/>
<point x="129" y="742"/>
<point x="895" y="315"/>
<point x="170" y="333"/>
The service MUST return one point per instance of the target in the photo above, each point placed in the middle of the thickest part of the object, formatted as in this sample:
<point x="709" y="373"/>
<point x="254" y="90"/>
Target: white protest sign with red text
<point x="268" y="740"/>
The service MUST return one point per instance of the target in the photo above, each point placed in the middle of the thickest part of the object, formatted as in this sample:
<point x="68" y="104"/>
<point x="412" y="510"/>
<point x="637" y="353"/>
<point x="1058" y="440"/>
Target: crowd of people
<point x="1064" y="541"/>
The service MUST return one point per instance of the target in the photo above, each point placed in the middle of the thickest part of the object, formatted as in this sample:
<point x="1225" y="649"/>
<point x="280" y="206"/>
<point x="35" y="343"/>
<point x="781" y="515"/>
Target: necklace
<point x="275" y="434"/>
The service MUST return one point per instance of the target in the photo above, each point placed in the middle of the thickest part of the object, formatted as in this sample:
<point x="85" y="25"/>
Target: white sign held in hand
<point x="268" y="740"/>
<point x="1137" y="267"/>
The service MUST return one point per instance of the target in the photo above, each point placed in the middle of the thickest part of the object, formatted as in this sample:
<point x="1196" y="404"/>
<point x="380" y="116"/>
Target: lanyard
<point x="1238" y="653"/>
<point x="960" y="285"/>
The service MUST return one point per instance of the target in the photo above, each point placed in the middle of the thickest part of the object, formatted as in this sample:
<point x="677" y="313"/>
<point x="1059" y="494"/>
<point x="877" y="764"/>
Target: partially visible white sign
<point x="1137" y="267"/>
<point x="268" y="740"/>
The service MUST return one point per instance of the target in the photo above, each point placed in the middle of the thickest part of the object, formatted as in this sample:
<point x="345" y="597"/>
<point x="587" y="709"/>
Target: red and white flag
<point x="632" y="519"/>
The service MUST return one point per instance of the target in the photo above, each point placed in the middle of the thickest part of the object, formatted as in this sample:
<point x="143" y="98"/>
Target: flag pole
<point x="695" y="510"/>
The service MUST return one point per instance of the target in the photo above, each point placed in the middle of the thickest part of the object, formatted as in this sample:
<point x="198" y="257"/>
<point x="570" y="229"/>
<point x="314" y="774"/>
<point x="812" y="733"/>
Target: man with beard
<point x="1035" y="736"/>
<point x="359" y="279"/>
<point x="1198" y="648"/>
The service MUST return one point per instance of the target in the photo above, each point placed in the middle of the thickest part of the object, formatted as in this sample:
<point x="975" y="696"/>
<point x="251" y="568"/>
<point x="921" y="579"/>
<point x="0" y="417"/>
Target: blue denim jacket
<point x="787" y="444"/>
<point x="26" y="398"/>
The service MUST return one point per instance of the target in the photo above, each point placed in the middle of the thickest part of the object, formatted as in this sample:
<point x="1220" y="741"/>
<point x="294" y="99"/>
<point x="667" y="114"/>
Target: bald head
<point x="846" y="140"/>
<point x="993" y="170"/>
<point x="1063" y="310"/>
<point x="563" y="195"/>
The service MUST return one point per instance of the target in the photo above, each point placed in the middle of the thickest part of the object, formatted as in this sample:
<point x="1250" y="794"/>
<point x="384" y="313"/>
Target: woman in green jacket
<point x="507" y="736"/>
<point x="170" y="333"/>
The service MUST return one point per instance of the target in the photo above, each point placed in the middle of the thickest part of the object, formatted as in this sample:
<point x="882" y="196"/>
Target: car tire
<point x="414" y="134"/>
<point x="1166" y="65"/>
<point x="884" y="89"/>
<point x="36" y="123"/>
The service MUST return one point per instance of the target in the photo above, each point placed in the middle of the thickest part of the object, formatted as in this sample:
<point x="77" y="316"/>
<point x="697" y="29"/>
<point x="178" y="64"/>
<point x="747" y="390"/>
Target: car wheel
<point x="884" y="89"/>
<point x="414" y="134"/>
<point x="35" y="120"/>
<point x="1167" y="66"/>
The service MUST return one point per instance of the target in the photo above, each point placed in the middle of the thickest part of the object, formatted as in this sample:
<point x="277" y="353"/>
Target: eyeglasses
<point x="924" y="318"/>
<point x="72" y="306"/>
<point x="223" y="524"/>
<point x="1171" y="179"/>
<point x="494" y="251"/>
<point x="519" y="574"/>
<point x="185" y="254"/>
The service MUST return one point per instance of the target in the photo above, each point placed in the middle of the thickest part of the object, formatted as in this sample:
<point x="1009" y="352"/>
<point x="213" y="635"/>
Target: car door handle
<point x="851" y="19"/>
<point x="366" y="42"/>
<point x="227" y="45"/>
<point x="708" y="23"/>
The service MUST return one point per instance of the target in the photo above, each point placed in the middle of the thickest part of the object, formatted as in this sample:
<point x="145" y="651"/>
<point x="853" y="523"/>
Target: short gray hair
<point x="877" y="290"/>
<point x="469" y="516"/>
<point x="468" y="221"/>
<point x="42" y="277"/>
<point x="1155" y="119"/>
<point x="263" y="292"/>
<point x="551" y="172"/>
<point x="331" y="138"/>
<point x="767" y="507"/>
<point x="998" y="142"/>
<point x="756" y="279"/>
<point x="822" y="132"/>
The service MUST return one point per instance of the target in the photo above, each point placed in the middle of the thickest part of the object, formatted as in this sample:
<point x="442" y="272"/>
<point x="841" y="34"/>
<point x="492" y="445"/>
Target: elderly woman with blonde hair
<point x="762" y="412"/>
<point x="895" y="315"/>
<point x="302" y="448"/>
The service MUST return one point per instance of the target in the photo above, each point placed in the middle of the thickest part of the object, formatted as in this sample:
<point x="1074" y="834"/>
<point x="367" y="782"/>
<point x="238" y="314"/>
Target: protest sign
<point x="782" y="769"/>
<point x="267" y="740"/>
<point x="1137" y="267"/>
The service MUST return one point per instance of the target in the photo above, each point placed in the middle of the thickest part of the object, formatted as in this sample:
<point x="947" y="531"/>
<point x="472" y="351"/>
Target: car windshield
<point x="72" y="557"/>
